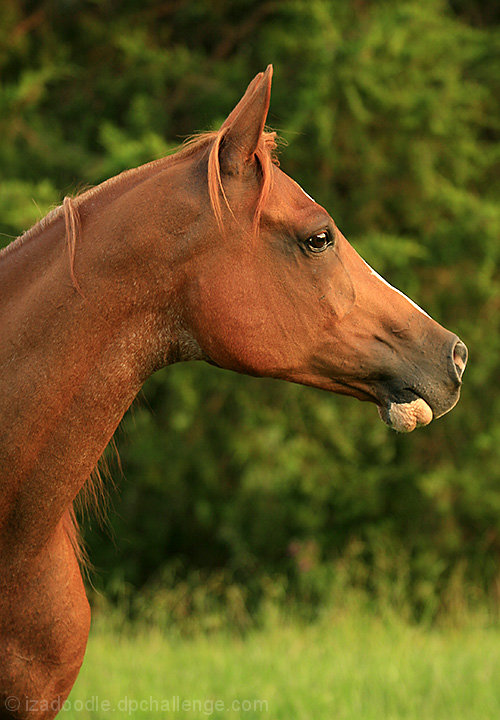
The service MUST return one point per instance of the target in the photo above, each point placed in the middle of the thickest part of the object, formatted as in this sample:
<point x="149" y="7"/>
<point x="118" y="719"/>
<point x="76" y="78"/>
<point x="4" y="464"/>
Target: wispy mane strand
<point x="265" y="156"/>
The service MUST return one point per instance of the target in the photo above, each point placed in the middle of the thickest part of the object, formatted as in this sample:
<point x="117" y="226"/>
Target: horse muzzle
<point x="423" y="394"/>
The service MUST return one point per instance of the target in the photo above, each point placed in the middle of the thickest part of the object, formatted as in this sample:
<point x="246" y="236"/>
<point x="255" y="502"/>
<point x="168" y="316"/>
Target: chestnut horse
<point x="211" y="254"/>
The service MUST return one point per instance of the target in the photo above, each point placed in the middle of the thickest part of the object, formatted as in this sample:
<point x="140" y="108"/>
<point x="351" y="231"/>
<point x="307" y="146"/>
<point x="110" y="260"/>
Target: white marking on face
<point x="374" y="272"/>
<point x="306" y="194"/>
<point x="414" y="304"/>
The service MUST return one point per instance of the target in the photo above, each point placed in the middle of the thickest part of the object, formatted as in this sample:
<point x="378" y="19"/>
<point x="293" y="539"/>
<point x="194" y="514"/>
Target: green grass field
<point x="346" y="667"/>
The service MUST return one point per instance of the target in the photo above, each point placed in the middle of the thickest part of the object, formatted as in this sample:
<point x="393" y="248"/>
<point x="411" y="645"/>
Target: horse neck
<point x="72" y="361"/>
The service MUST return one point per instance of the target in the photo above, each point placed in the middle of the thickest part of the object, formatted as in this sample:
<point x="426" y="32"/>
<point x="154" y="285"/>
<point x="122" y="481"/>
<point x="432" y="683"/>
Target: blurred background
<point x="237" y="495"/>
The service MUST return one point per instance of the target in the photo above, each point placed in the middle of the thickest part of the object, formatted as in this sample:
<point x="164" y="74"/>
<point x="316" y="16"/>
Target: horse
<point x="214" y="254"/>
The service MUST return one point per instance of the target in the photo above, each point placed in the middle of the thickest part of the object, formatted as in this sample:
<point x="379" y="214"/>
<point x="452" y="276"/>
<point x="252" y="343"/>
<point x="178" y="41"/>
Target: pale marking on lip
<point x="414" y="304"/>
<point x="405" y="417"/>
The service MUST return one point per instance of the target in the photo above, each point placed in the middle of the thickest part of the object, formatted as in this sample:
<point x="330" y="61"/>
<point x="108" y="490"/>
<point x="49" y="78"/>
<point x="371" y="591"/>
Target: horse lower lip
<point x="406" y="416"/>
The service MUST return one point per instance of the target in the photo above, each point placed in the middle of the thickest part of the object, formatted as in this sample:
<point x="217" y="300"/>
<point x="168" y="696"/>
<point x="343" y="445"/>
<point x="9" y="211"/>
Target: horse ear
<point x="244" y="125"/>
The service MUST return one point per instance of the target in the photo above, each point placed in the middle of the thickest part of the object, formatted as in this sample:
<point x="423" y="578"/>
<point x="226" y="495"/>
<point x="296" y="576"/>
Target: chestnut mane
<point x="212" y="141"/>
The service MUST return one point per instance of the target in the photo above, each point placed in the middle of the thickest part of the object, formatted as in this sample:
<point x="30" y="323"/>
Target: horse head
<point x="274" y="289"/>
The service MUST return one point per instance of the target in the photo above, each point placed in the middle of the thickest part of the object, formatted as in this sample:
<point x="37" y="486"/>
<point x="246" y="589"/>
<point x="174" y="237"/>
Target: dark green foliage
<point x="390" y="113"/>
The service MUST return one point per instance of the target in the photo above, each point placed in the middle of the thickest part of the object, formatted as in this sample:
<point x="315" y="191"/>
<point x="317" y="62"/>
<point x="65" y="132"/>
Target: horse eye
<point x="319" y="242"/>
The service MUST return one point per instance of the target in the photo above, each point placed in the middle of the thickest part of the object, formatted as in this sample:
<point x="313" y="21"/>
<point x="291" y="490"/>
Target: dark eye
<point x="318" y="242"/>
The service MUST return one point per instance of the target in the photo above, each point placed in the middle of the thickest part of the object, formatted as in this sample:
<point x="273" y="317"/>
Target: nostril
<point x="460" y="358"/>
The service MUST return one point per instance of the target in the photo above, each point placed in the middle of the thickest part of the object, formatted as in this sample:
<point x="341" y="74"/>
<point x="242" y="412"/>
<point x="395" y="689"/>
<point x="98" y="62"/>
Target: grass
<point x="350" y="666"/>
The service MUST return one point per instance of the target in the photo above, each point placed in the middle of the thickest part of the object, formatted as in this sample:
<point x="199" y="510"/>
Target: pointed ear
<point x="245" y="124"/>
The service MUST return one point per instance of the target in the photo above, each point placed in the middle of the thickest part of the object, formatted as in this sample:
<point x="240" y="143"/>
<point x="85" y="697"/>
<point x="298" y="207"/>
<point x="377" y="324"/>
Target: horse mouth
<point x="406" y="416"/>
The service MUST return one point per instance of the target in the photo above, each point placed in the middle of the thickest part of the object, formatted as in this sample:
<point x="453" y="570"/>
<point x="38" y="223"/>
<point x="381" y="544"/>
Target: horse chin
<point x="405" y="417"/>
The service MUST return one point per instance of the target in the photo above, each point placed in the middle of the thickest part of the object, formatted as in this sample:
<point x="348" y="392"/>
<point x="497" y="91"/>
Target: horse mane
<point x="265" y="156"/>
<point x="92" y="496"/>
